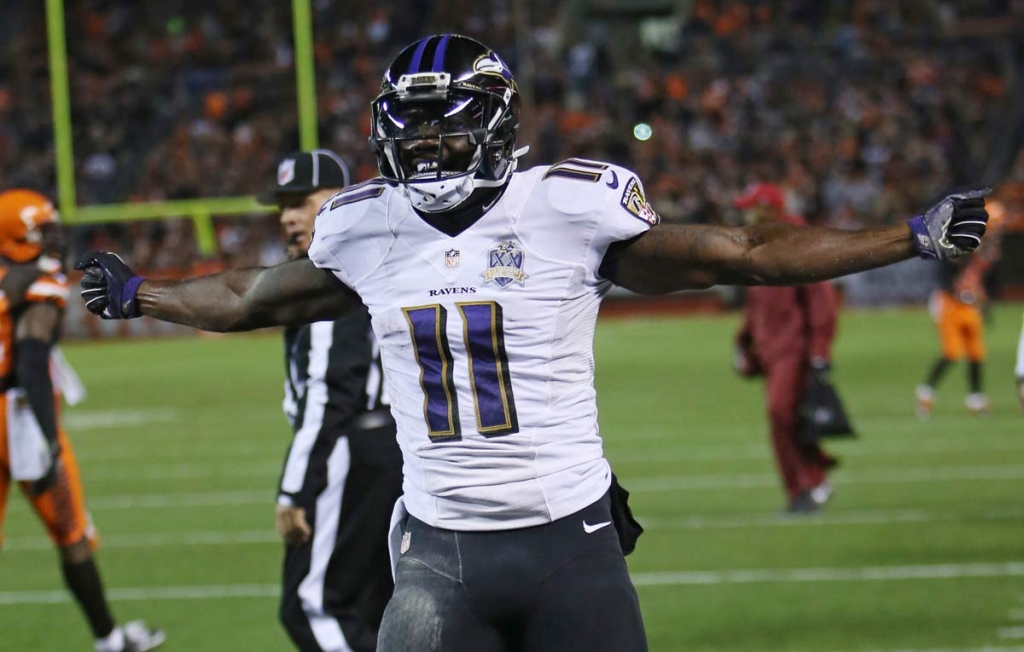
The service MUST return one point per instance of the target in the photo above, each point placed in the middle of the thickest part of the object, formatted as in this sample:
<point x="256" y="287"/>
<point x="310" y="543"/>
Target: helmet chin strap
<point x="444" y="195"/>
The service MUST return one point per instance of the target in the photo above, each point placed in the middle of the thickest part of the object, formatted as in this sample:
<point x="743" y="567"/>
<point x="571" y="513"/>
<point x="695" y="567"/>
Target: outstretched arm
<point x="678" y="257"/>
<point x="292" y="293"/>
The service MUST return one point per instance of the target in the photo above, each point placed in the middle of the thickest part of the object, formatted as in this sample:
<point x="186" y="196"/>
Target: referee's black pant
<point x="337" y="585"/>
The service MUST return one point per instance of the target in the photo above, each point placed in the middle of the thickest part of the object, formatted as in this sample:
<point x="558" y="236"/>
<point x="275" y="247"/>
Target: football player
<point x="483" y="284"/>
<point x="958" y="307"/>
<point x="34" y="449"/>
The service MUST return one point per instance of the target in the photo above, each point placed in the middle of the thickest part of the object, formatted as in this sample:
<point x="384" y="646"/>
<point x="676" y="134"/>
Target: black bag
<point x="626" y="526"/>
<point x="822" y="414"/>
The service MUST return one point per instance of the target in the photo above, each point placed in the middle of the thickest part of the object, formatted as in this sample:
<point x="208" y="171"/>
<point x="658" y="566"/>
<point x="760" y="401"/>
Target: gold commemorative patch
<point x="636" y="204"/>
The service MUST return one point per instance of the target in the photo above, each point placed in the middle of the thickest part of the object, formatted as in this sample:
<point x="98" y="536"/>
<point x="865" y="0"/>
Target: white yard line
<point x="155" y="540"/>
<point x="683" y="431"/>
<point x="267" y="536"/>
<point x="687" y="452"/>
<point x="76" y="421"/>
<point x="153" y="456"/>
<point x="760" y="480"/>
<point x="797" y="575"/>
<point x="102" y="502"/>
<point x="951" y="649"/>
<point x="221" y="592"/>
<point x="150" y="455"/>
<point x="683" y="482"/>
<point x="640" y="579"/>
<point x="1014" y="633"/>
<point x="187" y="471"/>
<point x="866" y="517"/>
<point x="1016" y="614"/>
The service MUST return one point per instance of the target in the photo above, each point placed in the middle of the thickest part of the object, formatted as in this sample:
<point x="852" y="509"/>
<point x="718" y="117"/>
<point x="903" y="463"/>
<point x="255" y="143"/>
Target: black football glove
<point x="953" y="227"/>
<point x="109" y="286"/>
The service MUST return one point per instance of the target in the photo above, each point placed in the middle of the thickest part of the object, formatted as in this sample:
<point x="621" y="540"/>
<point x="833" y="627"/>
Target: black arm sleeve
<point x="610" y="263"/>
<point x="33" y="362"/>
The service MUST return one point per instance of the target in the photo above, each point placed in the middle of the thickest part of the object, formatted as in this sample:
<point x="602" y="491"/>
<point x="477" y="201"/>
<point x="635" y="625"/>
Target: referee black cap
<point x="301" y="173"/>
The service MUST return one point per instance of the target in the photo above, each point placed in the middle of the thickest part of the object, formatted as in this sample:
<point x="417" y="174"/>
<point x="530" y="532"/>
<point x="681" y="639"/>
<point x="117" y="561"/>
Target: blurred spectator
<point x="860" y="111"/>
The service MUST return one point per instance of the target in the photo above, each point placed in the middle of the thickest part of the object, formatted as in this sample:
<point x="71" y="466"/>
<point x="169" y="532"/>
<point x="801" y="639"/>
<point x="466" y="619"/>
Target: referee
<point x="343" y="472"/>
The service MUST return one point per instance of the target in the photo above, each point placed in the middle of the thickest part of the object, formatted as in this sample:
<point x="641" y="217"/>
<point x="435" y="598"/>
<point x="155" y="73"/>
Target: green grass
<point x="201" y="458"/>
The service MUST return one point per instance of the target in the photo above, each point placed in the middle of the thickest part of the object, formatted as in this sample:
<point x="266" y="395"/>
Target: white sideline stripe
<point x="150" y="593"/>
<point x="155" y="540"/>
<point x="760" y="480"/>
<point x="640" y="579"/>
<point x="103" y="420"/>
<point x="796" y="575"/>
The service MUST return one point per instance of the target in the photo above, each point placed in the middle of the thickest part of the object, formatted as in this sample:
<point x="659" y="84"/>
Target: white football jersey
<point x="487" y="337"/>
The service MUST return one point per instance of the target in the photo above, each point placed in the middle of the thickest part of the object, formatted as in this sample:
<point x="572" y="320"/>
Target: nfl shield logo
<point x="406" y="542"/>
<point x="505" y="264"/>
<point x="285" y="171"/>
<point x="452" y="258"/>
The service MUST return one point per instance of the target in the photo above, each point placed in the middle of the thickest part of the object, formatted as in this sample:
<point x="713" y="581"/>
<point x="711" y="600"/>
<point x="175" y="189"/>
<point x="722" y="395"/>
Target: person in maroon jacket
<point x="786" y="336"/>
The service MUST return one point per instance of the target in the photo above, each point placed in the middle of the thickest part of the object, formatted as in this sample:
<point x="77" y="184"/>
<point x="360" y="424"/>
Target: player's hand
<point x="291" y="524"/>
<point x="953" y="227"/>
<point x="109" y="286"/>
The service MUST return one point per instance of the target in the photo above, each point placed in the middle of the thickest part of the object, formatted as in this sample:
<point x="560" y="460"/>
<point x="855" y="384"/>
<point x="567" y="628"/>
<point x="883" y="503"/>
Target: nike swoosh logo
<point x="614" y="183"/>
<point x="590" y="529"/>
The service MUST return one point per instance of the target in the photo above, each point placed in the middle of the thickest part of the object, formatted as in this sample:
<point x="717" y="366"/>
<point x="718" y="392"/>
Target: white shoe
<point x="134" y="636"/>
<point x="977" y="404"/>
<point x="925" y="402"/>
<point x="822" y="493"/>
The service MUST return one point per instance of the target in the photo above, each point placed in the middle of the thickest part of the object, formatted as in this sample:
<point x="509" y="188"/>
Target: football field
<point x="922" y="548"/>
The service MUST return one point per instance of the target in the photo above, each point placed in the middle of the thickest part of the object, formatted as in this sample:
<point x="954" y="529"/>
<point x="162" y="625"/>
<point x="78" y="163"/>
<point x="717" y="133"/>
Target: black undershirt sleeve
<point x="33" y="373"/>
<point x="610" y="263"/>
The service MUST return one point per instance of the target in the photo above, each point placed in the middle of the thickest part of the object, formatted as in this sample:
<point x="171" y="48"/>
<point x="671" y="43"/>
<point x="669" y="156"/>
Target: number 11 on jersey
<point x="484" y="339"/>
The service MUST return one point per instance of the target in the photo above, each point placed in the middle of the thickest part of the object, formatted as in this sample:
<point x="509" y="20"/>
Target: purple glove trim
<point x="924" y="243"/>
<point x="129" y="308"/>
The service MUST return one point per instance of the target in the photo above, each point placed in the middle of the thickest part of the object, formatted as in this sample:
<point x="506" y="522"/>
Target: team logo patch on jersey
<point x="285" y="171"/>
<point x="505" y="264"/>
<point x="636" y="204"/>
<point x="452" y="258"/>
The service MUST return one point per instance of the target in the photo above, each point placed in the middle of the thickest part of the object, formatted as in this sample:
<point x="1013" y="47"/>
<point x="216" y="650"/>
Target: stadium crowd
<point x="177" y="100"/>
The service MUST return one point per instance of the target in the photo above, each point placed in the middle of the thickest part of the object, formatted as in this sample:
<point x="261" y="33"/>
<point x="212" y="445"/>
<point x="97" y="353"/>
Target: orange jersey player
<point x="957" y="306"/>
<point x="34" y="449"/>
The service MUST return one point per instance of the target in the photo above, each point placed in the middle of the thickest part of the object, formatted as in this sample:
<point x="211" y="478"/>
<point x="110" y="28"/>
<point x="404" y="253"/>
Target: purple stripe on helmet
<point x="417" y="56"/>
<point x="439" y="54"/>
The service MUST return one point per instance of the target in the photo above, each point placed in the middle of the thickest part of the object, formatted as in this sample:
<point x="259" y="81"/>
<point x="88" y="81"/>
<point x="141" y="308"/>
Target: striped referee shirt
<point x="333" y="374"/>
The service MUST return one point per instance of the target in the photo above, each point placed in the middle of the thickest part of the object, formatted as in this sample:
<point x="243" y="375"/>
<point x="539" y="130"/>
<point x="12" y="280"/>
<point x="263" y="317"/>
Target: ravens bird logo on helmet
<point x="445" y="121"/>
